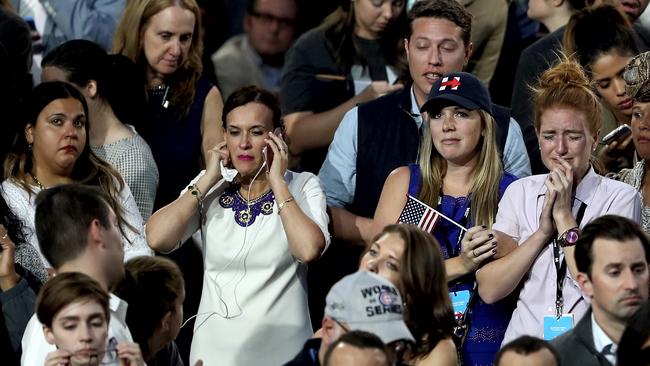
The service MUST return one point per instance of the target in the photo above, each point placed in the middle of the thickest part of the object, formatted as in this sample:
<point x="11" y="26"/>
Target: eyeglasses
<point x="107" y="356"/>
<point x="268" y="19"/>
<point x="104" y="357"/>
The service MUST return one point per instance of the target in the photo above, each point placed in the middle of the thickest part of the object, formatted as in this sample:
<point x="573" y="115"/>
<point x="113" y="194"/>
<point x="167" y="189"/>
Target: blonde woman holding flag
<point x="459" y="174"/>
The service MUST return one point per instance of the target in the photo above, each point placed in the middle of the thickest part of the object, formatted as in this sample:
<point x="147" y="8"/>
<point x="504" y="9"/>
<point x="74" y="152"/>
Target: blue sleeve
<point x="94" y="20"/>
<point x="339" y="171"/>
<point x="515" y="155"/>
<point x="18" y="305"/>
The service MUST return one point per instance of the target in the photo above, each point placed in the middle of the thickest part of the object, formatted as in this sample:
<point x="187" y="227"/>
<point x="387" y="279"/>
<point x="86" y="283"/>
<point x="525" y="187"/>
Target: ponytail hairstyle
<point x="117" y="78"/>
<point x="595" y="32"/>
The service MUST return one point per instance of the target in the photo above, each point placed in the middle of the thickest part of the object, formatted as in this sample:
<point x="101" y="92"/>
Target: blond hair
<point x="486" y="175"/>
<point x="128" y="42"/>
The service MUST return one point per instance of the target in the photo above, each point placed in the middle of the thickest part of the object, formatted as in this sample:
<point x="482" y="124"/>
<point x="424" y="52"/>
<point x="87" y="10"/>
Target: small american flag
<point x="425" y="217"/>
<point x="417" y="213"/>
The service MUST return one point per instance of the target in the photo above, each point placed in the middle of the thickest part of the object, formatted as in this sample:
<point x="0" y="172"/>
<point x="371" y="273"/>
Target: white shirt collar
<point x="118" y="307"/>
<point x="415" y="110"/>
<point x="602" y="340"/>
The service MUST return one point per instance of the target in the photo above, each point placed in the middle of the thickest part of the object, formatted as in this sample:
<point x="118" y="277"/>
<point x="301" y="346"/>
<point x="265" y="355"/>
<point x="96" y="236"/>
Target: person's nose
<point x="175" y="48"/>
<point x="372" y="266"/>
<point x="561" y="146"/>
<point x="71" y="131"/>
<point x="448" y="122"/>
<point x="387" y="10"/>
<point x="619" y="86"/>
<point x="630" y="280"/>
<point x="435" y="56"/>
<point x="644" y="123"/>
<point x="244" y="141"/>
<point x="84" y="333"/>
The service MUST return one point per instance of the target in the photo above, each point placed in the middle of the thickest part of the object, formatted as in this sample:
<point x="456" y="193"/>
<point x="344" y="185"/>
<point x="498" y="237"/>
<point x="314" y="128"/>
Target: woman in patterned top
<point x="116" y="106"/>
<point x="259" y="232"/>
<point x="637" y="80"/>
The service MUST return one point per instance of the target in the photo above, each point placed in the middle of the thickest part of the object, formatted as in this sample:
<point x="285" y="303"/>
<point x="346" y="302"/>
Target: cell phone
<point x="268" y="157"/>
<point x="617" y="133"/>
<point x="268" y="152"/>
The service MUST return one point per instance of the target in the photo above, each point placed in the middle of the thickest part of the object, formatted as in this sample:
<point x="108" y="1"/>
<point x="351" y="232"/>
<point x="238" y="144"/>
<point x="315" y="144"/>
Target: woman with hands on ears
<point x="459" y="173"/>
<point x="542" y="214"/>
<point x="259" y="231"/>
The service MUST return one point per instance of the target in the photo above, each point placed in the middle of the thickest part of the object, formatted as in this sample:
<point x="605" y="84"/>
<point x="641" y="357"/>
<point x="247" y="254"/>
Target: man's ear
<point x="164" y="322"/>
<point x="49" y="336"/>
<point x="468" y="54"/>
<point x="96" y="232"/>
<point x="585" y="284"/>
<point x="406" y="47"/>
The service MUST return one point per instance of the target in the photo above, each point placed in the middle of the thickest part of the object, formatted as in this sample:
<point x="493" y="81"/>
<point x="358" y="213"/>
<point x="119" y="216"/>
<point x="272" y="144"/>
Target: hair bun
<point x="567" y="72"/>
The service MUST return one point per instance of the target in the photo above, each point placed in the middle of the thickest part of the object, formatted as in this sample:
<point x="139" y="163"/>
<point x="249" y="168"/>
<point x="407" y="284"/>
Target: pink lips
<point x="69" y="148"/>
<point x="643" y="140"/>
<point x="626" y="104"/>
<point x="245" y="157"/>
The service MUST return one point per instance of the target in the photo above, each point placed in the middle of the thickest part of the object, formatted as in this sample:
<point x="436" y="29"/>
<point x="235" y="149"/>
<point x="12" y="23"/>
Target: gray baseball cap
<point x="366" y="301"/>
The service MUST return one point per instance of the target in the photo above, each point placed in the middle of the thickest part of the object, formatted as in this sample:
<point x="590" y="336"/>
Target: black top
<point x="534" y="60"/>
<point x="168" y="356"/>
<point x="175" y="144"/>
<point x="308" y="356"/>
<point x="373" y="55"/>
<point x="312" y="81"/>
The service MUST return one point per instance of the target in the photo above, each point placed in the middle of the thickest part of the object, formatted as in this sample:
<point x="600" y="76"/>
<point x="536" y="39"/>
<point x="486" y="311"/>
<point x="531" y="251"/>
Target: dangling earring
<point x="29" y="146"/>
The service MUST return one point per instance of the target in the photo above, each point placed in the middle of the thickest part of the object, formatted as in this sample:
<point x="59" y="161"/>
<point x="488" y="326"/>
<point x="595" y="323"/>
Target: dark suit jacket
<point x="576" y="347"/>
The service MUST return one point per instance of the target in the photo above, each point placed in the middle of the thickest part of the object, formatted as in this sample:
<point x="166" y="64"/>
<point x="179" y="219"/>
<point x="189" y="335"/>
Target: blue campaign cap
<point x="459" y="88"/>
